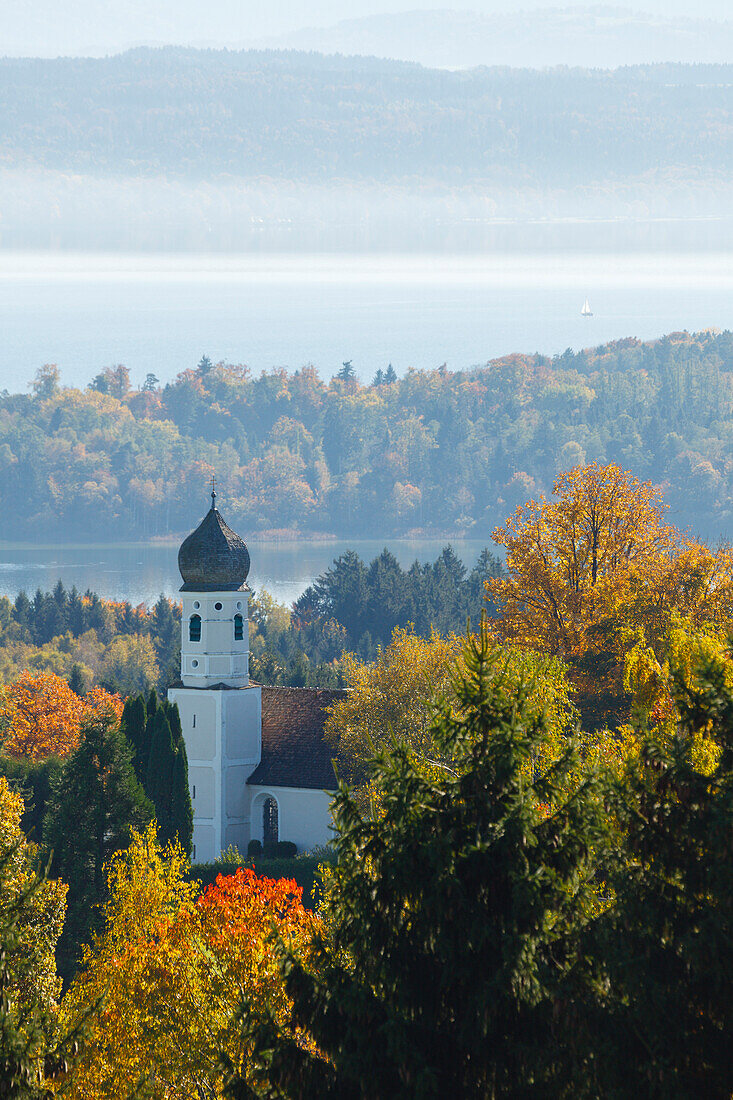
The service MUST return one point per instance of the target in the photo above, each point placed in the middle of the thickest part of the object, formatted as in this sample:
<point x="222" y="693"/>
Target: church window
<point x="238" y="628"/>
<point x="217" y="607"/>
<point x="194" y="721"/>
<point x="194" y="628"/>
<point x="269" y="821"/>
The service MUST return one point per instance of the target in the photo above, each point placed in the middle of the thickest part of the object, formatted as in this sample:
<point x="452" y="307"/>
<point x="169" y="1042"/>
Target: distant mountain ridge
<point x="177" y="147"/>
<point x="591" y="37"/>
<point x="298" y="116"/>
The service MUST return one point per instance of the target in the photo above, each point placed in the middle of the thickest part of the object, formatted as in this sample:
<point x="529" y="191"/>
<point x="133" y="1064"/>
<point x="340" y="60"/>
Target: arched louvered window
<point x="194" y="628"/>
<point x="238" y="628"/>
<point x="269" y="821"/>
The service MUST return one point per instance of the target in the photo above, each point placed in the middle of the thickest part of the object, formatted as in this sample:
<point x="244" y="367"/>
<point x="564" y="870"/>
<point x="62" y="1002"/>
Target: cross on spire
<point x="213" y="491"/>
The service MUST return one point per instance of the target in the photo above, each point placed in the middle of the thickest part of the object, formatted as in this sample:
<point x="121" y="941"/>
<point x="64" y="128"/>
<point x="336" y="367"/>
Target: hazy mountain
<point x="309" y="117"/>
<point x="187" y="148"/>
<point x="593" y="37"/>
<point x="49" y="28"/>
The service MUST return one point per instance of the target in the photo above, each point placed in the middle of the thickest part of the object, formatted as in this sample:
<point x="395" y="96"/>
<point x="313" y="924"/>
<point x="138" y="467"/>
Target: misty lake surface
<point x="140" y="572"/>
<point x="161" y="313"/>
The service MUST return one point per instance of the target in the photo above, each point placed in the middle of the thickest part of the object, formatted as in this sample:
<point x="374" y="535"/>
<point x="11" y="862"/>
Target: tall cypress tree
<point x="152" y="704"/>
<point x="134" y="725"/>
<point x="181" y="808"/>
<point x="153" y="728"/>
<point x="159" y="775"/>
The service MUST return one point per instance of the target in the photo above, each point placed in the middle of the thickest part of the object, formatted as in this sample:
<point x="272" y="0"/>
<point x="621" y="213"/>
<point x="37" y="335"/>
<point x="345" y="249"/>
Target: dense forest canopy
<point x="322" y="118"/>
<point x="434" y="452"/>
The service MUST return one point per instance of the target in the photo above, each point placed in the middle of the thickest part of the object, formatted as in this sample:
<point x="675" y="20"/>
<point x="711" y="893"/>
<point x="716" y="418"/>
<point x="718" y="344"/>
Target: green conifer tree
<point x="134" y="725"/>
<point x="159" y="774"/>
<point x="96" y="802"/>
<point x="76" y="679"/>
<point x="181" y="808"/>
<point x="450" y="933"/>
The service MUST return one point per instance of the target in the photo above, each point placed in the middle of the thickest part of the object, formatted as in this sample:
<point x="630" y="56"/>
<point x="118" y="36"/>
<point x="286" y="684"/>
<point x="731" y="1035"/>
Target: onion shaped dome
<point x="213" y="558"/>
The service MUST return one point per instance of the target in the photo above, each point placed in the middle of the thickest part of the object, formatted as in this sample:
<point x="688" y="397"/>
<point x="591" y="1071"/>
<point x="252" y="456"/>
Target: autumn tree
<point x="171" y="967"/>
<point x="41" y="716"/>
<point x="393" y="698"/>
<point x="31" y="917"/>
<point x="564" y="555"/>
<point x="665" y="944"/>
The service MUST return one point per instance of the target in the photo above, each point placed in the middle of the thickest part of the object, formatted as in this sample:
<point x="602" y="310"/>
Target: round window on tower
<point x="194" y="664"/>
<point x="196" y="605"/>
<point x="217" y="607"/>
<point x="239" y="605"/>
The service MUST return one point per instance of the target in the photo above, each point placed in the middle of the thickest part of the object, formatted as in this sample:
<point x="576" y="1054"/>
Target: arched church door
<point x="269" y="821"/>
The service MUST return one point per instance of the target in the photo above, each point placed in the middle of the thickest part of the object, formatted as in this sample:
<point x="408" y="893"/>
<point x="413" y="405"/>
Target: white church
<point x="258" y="764"/>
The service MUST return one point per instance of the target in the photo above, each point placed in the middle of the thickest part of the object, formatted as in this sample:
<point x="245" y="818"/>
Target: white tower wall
<point x="222" y="730"/>
<point x="217" y="657"/>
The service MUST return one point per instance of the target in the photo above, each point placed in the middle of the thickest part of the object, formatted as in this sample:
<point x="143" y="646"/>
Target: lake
<point x="139" y="572"/>
<point x="162" y="313"/>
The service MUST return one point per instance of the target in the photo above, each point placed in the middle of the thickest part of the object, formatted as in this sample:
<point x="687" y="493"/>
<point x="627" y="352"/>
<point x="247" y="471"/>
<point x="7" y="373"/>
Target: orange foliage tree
<point x="596" y="571"/>
<point x="41" y="716"/>
<point x="170" y="968"/>
<point x="564" y="555"/>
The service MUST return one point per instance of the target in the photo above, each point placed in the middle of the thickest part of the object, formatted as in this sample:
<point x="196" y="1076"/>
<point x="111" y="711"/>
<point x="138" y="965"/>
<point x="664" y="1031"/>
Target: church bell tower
<point x="221" y="713"/>
<point x="214" y="564"/>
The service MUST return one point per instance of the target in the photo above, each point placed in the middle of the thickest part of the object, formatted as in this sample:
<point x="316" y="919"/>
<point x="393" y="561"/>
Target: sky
<point x="48" y="28"/>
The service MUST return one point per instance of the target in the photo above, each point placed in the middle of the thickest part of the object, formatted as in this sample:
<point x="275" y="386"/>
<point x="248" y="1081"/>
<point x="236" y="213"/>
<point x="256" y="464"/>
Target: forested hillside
<point x="322" y="118"/>
<point x="436" y="451"/>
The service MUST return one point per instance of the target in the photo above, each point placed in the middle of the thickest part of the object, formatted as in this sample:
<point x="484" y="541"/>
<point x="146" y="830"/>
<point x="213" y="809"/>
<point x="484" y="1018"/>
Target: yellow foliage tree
<point x="35" y="985"/>
<point x="654" y="679"/>
<point x="170" y="968"/>
<point x="130" y="663"/>
<point x="393" y="696"/>
<point x="596" y="572"/>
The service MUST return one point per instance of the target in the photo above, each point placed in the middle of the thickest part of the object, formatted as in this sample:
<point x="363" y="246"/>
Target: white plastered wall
<point x="222" y="731"/>
<point x="304" y="815"/>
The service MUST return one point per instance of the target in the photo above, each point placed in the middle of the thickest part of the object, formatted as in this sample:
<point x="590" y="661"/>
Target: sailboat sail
<point x="586" y="310"/>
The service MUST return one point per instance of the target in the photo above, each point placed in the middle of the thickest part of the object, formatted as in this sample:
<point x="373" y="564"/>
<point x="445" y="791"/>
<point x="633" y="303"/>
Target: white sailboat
<point x="586" y="311"/>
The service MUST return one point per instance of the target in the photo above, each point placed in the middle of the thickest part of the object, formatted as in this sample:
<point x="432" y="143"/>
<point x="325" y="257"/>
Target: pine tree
<point x="96" y="802"/>
<point x="450" y="932"/>
<point x="76" y="679"/>
<point x="153" y="729"/>
<point x="390" y="375"/>
<point x="181" y="808"/>
<point x="347" y="372"/>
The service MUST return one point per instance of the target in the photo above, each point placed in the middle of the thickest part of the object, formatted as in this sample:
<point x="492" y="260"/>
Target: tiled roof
<point x="294" y="752"/>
